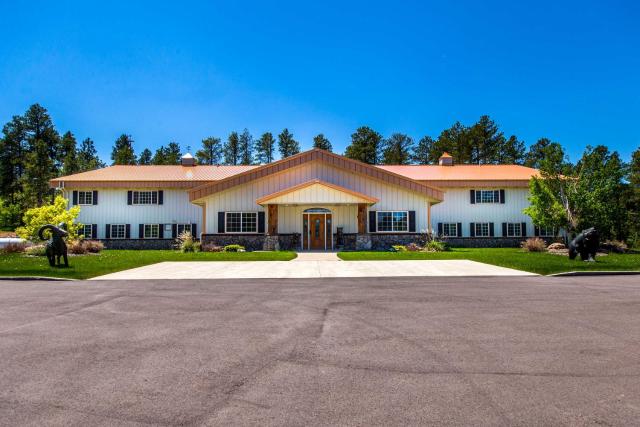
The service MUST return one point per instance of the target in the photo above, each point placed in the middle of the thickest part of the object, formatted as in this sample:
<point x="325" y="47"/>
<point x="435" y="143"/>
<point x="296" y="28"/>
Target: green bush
<point x="185" y="243"/>
<point x="35" y="250"/>
<point x="398" y="248"/>
<point x="9" y="215"/>
<point x="436" y="246"/>
<point x="14" y="248"/>
<point x="234" y="248"/>
<point x="54" y="214"/>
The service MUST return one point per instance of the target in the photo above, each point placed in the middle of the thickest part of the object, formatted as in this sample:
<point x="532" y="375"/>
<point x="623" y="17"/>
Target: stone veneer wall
<point x="253" y="242"/>
<point x="138" y="243"/>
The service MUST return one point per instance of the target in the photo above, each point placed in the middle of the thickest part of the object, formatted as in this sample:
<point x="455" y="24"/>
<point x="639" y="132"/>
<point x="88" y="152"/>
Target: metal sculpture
<point x="56" y="247"/>
<point x="586" y="244"/>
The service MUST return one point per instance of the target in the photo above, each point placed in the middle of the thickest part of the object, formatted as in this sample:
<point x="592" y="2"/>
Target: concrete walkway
<point x="310" y="269"/>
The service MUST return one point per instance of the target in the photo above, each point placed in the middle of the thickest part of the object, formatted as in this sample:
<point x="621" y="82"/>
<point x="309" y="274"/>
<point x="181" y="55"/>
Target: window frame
<point x="184" y="226"/>
<point x="85" y="193"/>
<point x="84" y="231"/>
<point x="475" y="226"/>
<point x="151" y="227"/>
<point x="480" y="201"/>
<point x="546" y="229"/>
<point x="446" y="225"/>
<point x="112" y="234"/>
<point x="378" y="230"/>
<point x="241" y="223"/>
<point x="135" y="197"/>
<point x="513" y="226"/>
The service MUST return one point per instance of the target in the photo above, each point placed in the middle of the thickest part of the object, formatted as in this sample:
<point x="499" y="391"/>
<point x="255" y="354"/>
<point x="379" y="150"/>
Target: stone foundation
<point x="255" y="242"/>
<point x="138" y="243"/>
<point x="485" y="242"/>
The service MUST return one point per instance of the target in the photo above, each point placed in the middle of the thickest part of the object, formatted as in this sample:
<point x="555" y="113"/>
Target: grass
<point x="110" y="261"/>
<point x="534" y="262"/>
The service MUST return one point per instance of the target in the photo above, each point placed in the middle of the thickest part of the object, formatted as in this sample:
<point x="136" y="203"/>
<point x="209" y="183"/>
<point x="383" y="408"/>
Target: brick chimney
<point x="445" y="159"/>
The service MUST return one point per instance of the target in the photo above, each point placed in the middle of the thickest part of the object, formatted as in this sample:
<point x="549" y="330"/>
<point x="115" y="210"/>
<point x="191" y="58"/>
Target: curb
<point x="43" y="278"/>
<point x="595" y="273"/>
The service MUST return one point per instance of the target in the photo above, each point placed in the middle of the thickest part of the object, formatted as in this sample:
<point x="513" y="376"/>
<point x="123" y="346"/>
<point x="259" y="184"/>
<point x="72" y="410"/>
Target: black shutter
<point x="107" y="231"/>
<point x="524" y="229"/>
<point x="160" y="197"/>
<point x="95" y="197"/>
<point x="221" y="222"/>
<point x="129" y="197"/>
<point x="504" y="229"/>
<point x="94" y="231"/>
<point x="439" y="229"/>
<point x="536" y="230"/>
<point x="174" y="230"/>
<point x="459" y="229"/>
<point x="491" y="231"/>
<point x="372" y="222"/>
<point x="141" y="231"/>
<point x="260" y="222"/>
<point x="472" y="229"/>
<point x="161" y="231"/>
<point x="412" y="221"/>
<point x="496" y="196"/>
<point x="127" y="231"/>
<point x="473" y="196"/>
<point x="502" y="196"/>
<point x="194" y="230"/>
<point x="75" y="198"/>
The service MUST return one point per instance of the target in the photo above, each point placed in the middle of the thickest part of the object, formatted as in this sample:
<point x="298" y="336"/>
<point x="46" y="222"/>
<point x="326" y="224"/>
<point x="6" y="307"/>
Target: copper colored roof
<point x="264" y="199"/>
<point x="157" y="173"/>
<point x="463" y="172"/>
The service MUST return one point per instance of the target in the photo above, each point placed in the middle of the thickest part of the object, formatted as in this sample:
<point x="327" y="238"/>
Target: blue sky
<point x="181" y="71"/>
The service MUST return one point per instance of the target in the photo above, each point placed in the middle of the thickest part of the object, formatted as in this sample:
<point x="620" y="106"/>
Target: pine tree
<point x="145" y="157"/>
<point x="486" y="141"/>
<point x="246" y="147"/>
<point x="211" y="152"/>
<point x="172" y="154"/>
<point x="287" y="145"/>
<point x="511" y="152"/>
<point x="38" y="126"/>
<point x="12" y="159"/>
<point x="122" y="153"/>
<point x="232" y="150"/>
<point x="540" y="151"/>
<point x="36" y="179"/>
<point x="88" y="156"/>
<point x="365" y="146"/>
<point x="397" y="150"/>
<point x="634" y="199"/>
<point x="456" y="141"/>
<point x="160" y="156"/>
<point x="319" y="141"/>
<point x="423" y="153"/>
<point x="264" y="148"/>
<point x="69" y="154"/>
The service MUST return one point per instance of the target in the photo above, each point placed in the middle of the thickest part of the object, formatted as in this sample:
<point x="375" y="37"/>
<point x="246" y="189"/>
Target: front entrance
<point x="316" y="229"/>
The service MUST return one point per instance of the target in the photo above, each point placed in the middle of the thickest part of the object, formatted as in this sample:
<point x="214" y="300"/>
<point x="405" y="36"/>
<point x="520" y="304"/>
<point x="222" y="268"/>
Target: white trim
<point x="304" y="213"/>
<point x="133" y="197"/>
<point x="144" y="231"/>
<point x="124" y="231"/>
<point x="475" y="229"/>
<point x="514" y="224"/>
<point x="391" y="231"/>
<point x="480" y="202"/>
<point x="455" y="224"/>
<point x="90" y="236"/>
<point x="90" y="192"/>
<point x="241" y="215"/>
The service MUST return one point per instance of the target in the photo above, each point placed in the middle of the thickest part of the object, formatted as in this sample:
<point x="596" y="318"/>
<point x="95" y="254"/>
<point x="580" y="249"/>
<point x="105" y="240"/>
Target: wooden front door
<point x="316" y="231"/>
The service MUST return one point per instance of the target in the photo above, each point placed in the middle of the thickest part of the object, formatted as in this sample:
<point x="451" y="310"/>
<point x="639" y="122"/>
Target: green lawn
<point x="541" y="263"/>
<point x="109" y="261"/>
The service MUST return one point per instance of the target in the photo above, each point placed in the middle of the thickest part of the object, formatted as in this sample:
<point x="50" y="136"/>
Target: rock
<point x="556" y="246"/>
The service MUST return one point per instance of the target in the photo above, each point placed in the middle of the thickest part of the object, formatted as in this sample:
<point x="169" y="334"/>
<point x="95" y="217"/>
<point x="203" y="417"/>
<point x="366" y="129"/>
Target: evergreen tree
<point x="145" y="157"/>
<point x="172" y="154"/>
<point x="160" y="156"/>
<point x="634" y="199"/>
<point x="245" y="142"/>
<point x="36" y="178"/>
<point x="456" y="141"/>
<point x="88" y="156"/>
<point x="423" y="153"/>
<point x="69" y="154"/>
<point x="122" y="153"/>
<point x="211" y="151"/>
<point x="38" y="126"/>
<point x="265" y="147"/>
<point x="12" y="159"/>
<point x="397" y="150"/>
<point x="232" y="155"/>
<point x="486" y="141"/>
<point x="541" y="150"/>
<point x="365" y="145"/>
<point x="511" y="152"/>
<point x="287" y="145"/>
<point x="319" y="141"/>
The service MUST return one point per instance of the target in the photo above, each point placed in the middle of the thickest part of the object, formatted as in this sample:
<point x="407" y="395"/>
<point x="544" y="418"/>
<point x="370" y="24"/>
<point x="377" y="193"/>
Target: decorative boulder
<point x="586" y="244"/>
<point x="556" y="246"/>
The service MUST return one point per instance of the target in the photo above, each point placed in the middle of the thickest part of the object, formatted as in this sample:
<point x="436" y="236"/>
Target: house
<point x="314" y="200"/>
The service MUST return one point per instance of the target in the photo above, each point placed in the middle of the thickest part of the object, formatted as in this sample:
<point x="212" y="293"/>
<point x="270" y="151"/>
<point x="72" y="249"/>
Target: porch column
<point x="272" y="229"/>
<point x="429" y="217"/>
<point x="362" y="218"/>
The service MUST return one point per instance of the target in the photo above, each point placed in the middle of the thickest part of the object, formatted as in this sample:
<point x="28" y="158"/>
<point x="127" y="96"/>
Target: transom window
<point x="487" y="196"/>
<point x="118" y="231"/>
<point x="241" y="222"/>
<point x="145" y="197"/>
<point x="393" y="221"/>
<point x="482" y="229"/>
<point x="450" y="229"/>
<point x="87" y="231"/>
<point x="546" y="232"/>
<point x="85" y="197"/>
<point x="184" y="227"/>
<point x="514" y="229"/>
<point x="151" y="231"/>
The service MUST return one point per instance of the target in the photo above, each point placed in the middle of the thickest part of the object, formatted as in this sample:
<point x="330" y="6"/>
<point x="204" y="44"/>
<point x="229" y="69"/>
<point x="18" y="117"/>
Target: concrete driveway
<point x="369" y="351"/>
<point x="306" y="267"/>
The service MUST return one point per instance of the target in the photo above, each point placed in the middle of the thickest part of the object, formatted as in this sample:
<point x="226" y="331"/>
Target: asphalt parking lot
<point x="389" y="351"/>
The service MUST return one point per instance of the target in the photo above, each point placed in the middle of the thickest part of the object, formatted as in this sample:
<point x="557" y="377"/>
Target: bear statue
<point x="56" y="247"/>
<point x="586" y="244"/>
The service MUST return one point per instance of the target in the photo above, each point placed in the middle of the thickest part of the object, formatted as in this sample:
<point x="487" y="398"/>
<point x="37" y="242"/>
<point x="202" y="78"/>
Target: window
<point x="450" y="229"/>
<point x="241" y="222"/>
<point x="546" y="232"/>
<point x="85" y="197"/>
<point x="393" y="221"/>
<point x="118" y="231"/>
<point x="514" y="229"/>
<point x="151" y="231"/>
<point x="87" y="231"/>
<point x="482" y="229"/>
<point x="487" y="196"/>
<point x="184" y="227"/>
<point x="145" y="197"/>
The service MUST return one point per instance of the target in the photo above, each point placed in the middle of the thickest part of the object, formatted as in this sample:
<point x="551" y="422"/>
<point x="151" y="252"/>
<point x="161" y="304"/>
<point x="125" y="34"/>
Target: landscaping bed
<point x="110" y="261"/>
<point x="534" y="262"/>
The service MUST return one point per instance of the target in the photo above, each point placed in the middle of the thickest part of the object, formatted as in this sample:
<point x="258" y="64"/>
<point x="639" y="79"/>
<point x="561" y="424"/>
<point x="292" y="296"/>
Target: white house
<point x="313" y="200"/>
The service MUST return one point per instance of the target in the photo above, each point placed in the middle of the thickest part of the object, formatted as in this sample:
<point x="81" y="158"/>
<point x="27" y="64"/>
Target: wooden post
<point x="429" y="217"/>
<point x="204" y="221"/>
<point x="273" y="220"/>
<point x="362" y="218"/>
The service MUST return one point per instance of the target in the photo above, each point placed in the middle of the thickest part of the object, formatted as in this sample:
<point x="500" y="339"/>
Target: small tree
<point x="54" y="213"/>
<point x="319" y="141"/>
<point x="245" y="145"/>
<point x="145" y="157"/>
<point x="287" y="145"/>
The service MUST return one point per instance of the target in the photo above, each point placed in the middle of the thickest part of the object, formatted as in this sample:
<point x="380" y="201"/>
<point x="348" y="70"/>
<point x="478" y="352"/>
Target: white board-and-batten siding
<point x="112" y="208"/>
<point x="243" y="198"/>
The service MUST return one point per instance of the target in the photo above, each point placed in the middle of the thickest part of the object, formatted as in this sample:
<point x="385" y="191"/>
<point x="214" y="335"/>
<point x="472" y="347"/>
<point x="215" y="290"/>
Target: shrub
<point x="93" y="246"/>
<point x="35" y="250"/>
<point x="76" y="247"/>
<point x="615" y="246"/>
<point x="534" y="244"/>
<point x="412" y="247"/>
<point x="54" y="214"/>
<point x="185" y="242"/>
<point x="14" y="248"/>
<point x="212" y="248"/>
<point x="398" y="248"/>
<point x="436" y="246"/>
<point x="234" y="248"/>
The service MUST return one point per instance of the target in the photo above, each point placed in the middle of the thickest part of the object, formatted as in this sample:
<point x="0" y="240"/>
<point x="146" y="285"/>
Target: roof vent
<point x="445" y="159"/>
<point x="187" y="160"/>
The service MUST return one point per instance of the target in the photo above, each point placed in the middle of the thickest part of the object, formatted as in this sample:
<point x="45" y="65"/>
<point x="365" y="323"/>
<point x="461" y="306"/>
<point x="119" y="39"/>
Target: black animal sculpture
<point x="586" y="244"/>
<point x="56" y="247"/>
